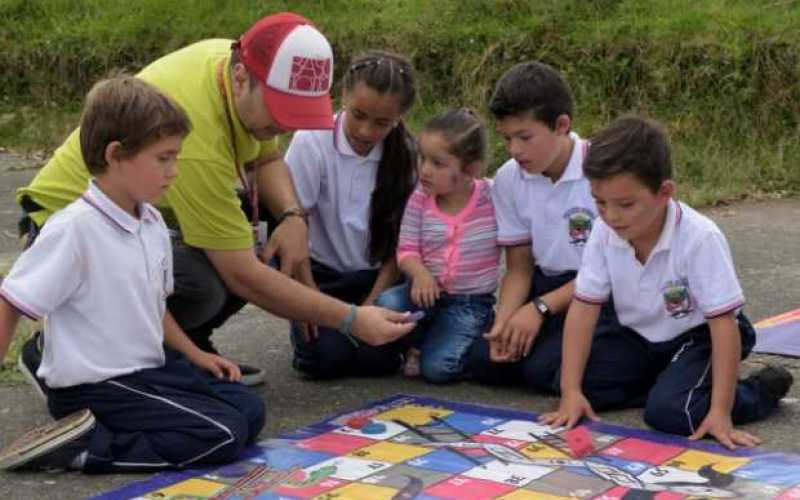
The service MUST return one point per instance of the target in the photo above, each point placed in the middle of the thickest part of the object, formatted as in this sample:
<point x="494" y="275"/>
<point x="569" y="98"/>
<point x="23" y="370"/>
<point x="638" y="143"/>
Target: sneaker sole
<point x="254" y="379"/>
<point x="39" y="441"/>
<point x="31" y="378"/>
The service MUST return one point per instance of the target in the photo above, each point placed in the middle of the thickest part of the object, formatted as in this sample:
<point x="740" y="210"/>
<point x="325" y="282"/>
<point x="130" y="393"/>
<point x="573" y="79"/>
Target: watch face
<point x="542" y="307"/>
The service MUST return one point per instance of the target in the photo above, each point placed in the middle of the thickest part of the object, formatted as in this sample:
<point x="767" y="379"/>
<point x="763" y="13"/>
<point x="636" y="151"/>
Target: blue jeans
<point x="447" y="331"/>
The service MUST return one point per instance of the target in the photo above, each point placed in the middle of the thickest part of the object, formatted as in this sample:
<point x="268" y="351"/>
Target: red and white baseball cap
<point x="293" y="62"/>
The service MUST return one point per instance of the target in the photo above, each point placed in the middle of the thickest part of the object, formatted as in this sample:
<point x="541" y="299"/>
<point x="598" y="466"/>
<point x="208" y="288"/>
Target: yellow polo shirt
<point x="203" y="197"/>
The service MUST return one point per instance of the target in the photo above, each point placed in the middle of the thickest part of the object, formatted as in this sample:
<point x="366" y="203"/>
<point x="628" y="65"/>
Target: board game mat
<point x="408" y="447"/>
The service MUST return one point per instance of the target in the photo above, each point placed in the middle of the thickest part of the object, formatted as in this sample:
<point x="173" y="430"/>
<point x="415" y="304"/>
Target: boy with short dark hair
<point x="99" y="274"/>
<point x="544" y="211"/>
<point x="670" y="274"/>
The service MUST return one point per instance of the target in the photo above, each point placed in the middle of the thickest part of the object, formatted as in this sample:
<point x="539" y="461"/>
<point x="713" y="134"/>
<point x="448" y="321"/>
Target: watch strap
<point x="292" y="212"/>
<point x="542" y="307"/>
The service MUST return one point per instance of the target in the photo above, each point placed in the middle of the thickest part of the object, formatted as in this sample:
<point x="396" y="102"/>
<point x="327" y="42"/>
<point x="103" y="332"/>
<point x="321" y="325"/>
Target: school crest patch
<point x="579" y="222"/>
<point x="677" y="299"/>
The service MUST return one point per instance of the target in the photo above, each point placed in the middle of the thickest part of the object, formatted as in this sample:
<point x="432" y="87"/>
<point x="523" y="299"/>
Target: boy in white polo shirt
<point x="99" y="274"/>
<point x="675" y="291"/>
<point x="544" y="211"/>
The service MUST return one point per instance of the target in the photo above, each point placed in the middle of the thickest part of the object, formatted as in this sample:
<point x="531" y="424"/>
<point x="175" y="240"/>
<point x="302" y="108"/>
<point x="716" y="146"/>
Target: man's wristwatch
<point x="292" y="212"/>
<point x="542" y="307"/>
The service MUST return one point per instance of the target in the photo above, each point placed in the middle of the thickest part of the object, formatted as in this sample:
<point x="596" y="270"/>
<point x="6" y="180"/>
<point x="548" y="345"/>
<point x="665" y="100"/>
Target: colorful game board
<point x="779" y="334"/>
<point x="409" y="447"/>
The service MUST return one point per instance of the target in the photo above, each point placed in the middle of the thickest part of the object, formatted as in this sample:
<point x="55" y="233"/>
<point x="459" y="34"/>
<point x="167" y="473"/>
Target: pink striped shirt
<point x="459" y="250"/>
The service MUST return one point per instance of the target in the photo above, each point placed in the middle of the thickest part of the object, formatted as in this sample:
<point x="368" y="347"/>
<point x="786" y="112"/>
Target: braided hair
<point x="388" y="74"/>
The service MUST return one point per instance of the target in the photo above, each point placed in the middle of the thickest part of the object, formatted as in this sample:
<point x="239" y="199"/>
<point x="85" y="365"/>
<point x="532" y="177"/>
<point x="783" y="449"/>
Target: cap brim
<point x="294" y="112"/>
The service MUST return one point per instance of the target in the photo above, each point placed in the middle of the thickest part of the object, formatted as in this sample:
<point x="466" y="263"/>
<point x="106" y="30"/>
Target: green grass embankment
<point x="723" y="75"/>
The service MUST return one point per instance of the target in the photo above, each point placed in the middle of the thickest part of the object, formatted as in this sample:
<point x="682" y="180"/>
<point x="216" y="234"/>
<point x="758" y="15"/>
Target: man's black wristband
<point x="292" y="212"/>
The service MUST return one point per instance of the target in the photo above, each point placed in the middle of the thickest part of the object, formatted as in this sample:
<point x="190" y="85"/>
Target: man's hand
<point x="514" y="338"/>
<point x="289" y="242"/>
<point x="424" y="290"/>
<point x="377" y="326"/>
<point x="720" y="425"/>
<point x="572" y="407"/>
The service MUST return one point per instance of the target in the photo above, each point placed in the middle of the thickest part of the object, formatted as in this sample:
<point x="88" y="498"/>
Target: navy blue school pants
<point x="540" y="370"/>
<point x="672" y="379"/>
<point x="332" y="354"/>
<point x="170" y="417"/>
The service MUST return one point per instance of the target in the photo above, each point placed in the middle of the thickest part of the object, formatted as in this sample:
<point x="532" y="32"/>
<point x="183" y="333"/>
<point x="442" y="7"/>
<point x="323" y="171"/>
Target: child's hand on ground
<point x="220" y="367"/>
<point x="571" y="408"/>
<point x="720" y="425"/>
<point x="424" y="290"/>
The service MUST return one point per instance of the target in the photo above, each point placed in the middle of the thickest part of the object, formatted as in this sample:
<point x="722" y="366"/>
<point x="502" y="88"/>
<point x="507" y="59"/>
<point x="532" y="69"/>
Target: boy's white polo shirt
<point x="556" y="218"/>
<point x="99" y="278"/>
<point x="334" y="184"/>
<point x="688" y="278"/>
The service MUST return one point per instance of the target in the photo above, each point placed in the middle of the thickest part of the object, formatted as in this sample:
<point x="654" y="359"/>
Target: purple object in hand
<point x="415" y="316"/>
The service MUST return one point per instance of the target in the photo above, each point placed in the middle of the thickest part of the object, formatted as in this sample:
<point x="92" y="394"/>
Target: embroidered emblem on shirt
<point x="580" y="225"/>
<point x="677" y="300"/>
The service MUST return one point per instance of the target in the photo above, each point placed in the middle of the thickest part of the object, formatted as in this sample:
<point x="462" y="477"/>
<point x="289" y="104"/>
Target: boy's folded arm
<point x="726" y="352"/>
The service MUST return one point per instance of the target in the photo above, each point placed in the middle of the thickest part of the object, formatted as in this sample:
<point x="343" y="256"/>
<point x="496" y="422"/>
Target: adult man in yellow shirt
<point x="239" y="95"/>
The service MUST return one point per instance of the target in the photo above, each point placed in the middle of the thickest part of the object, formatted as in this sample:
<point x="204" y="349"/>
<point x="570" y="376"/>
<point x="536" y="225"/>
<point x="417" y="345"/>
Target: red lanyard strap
<point x="250" y="187"/>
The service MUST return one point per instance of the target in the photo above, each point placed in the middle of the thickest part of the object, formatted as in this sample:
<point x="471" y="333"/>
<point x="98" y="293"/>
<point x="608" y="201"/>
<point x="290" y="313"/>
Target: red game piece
<point x="357" y="422"/>
<point x="579" y="442"/>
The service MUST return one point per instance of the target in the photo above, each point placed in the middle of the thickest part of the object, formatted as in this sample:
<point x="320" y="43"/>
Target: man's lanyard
<point x="250" y="187"/>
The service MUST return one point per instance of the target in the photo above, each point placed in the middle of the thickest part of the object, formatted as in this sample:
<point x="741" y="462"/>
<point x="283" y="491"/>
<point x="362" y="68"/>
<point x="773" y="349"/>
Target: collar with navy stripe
<point x="671" y="224"/>
<point x="122" y="219"/>
<point x="342" y="145"/>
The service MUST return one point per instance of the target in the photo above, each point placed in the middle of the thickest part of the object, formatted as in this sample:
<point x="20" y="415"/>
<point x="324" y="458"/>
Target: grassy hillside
<point x="723" y="75"/>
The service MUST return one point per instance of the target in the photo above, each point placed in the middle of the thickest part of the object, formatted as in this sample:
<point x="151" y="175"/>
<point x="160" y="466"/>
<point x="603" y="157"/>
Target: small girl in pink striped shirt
<point x="448" y="248"/>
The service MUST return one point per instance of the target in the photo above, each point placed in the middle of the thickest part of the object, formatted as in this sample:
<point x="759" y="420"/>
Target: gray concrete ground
<point x="764" y="237"/>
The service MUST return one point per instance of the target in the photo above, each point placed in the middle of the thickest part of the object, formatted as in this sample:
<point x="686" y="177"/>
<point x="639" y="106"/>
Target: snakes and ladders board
<point x="411" y="447"/>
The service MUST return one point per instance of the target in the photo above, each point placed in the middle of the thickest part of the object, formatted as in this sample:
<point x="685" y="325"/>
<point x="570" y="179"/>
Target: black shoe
<point x="28" y="363"/>
<point x="251" y="375"/>
<point x="55" y="446"/>
<point x="775" y="380"/>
